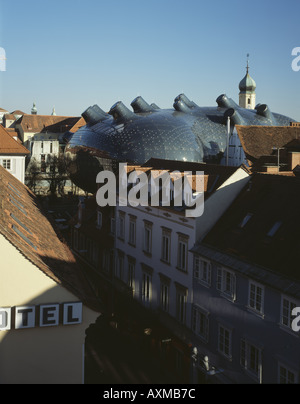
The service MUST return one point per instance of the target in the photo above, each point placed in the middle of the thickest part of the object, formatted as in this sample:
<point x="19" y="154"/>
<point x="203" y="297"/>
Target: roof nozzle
<point x="263" y="110"/>
<point x="224" y="102"/>
<point x="234" y="116"/>
<point x="121" y="113"/>
<point x="93" y="115"/>
<point x="185" y="100"/>
<point x="140" y="105"/>
<point x="183" y="104"/>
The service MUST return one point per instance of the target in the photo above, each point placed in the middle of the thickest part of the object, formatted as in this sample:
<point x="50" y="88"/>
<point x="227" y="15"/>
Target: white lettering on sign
<point x="25" y="317"/>
<point x="45" y="315"/>
<point x="5" y="316"/>
<point x="72" y="313"/>
<point x="49" y="315"/>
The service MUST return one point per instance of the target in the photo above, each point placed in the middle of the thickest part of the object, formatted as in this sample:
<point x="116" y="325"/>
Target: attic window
<point x="17" y="204"/>
<point x="274" y="229"/>
<point x="14" y="189"/>
<point x="20" y="223"/>
<point x="26" y="239"/>
<point x="245" y="220"/>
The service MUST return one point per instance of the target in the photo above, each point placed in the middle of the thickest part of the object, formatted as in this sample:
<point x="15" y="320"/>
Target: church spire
<point x="247" y="63"/>
<point x="247" y="86"/>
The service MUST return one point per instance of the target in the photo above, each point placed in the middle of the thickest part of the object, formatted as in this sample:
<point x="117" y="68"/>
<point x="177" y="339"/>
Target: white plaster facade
<point x="15" y="165"/>
<point x="40" y="354"/>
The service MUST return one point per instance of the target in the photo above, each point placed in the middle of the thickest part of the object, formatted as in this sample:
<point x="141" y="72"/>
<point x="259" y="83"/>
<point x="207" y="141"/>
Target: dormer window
<point x="245" y="220"/>
<point x="274" y="229"/>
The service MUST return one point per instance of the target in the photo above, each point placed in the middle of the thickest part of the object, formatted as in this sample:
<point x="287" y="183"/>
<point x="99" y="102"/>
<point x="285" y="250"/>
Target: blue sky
<point x="75" y="53"/>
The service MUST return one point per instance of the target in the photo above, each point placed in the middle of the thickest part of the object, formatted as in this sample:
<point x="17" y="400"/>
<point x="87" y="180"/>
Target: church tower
<point x="247" y="86"/>
<point x="33" y="109"/>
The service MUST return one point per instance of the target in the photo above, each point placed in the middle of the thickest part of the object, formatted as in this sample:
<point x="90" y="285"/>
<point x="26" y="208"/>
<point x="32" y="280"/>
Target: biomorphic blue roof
<point x="186" y="132"/>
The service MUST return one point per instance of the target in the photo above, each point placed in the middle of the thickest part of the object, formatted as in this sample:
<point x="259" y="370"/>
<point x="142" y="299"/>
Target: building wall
<point x="44" y="147"/>
<point x="17" y="166"/>
<point x="219" y="202"/>
<point x="294" y="160"/>
<point x="152" y="264"/>
<point x="265" y="335"/>
<point x="244" y="100"/>
<point x="39" y="354"/>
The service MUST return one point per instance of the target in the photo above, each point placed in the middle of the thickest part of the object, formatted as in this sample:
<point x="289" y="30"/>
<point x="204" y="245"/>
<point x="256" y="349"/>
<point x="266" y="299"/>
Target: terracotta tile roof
<point x="26" y="226"/>
<point x="258" y="141"/>
<point x="10" y="117"/>
<point x="43" y="123"/>
<point x="8" y="145"/>
<point x="81" y="122"/>
<point x="262" y="225"/>
<point x="18" y="112"/>
<point x="14" y="134"/>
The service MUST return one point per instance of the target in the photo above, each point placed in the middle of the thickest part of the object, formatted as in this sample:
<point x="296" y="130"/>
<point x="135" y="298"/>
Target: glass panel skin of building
<point x="186" y="133"/>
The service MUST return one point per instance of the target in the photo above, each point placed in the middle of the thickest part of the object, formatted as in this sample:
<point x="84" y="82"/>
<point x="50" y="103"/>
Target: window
<point x="99" y="220"/>
<point x="245" y="220"/>
<point x="6" y="164"/>
<point x="120" y="266"/>
<point x="200" y="323"/>
<point x="166" y="245"/>
<point x="256" y="297"/>
<point x="94" y="253"/>
<point x="251" y="359"/>
<point x="131" y="274"/>
<point x="51" y="147"/>
<point x="43" y="163"/>
<point x="121" y="225"/>
<point x="132" y="228"/>
<point x="274" y="229"/>
<point x="226" y="283"/>
<point x="164" y="296"/>
<point x="146" y="288"/>
<point x="106" y="264"/>
<point x="181" y="301"/>
<point x="225" y="341"/>
<point x="286" y="375"/>
<point x="112" y="225"/>
<point x="182" y="253"/>
<point x="287" y="306"/>
<point x="202" y="271"/>
<point x="148" y="238"/>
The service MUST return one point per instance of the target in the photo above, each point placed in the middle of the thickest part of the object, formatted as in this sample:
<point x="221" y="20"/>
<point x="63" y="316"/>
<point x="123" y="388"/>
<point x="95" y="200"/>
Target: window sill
<point x="255" y="312"/>
<point x="252" y="375"/>
<point x="203" y="283"/>
<point x="228" y="357"/>
<point x="230" y="298"/>
<point x="184" y="271"/>
<point x="287" y="329"/>
<point x="148" y="254"/>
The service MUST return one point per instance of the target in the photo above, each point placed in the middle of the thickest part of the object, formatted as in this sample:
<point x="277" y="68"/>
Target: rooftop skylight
<point x="245" y="220"/>
<point x="274" y="229"/>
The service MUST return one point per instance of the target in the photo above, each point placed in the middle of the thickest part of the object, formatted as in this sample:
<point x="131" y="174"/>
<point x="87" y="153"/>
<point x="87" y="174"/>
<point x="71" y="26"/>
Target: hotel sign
<point x="44" y="315"/>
